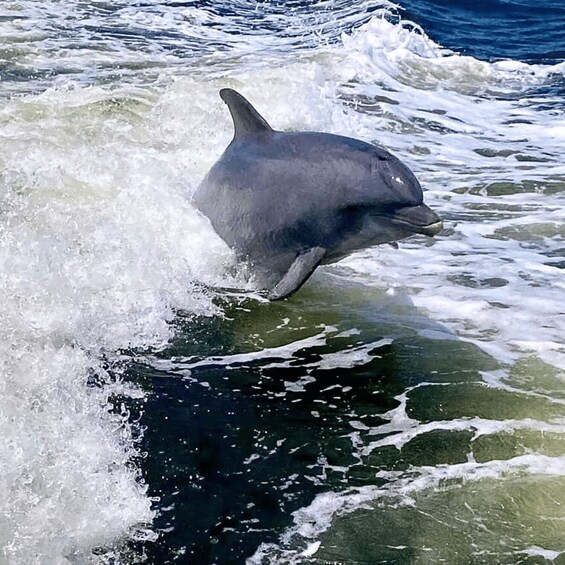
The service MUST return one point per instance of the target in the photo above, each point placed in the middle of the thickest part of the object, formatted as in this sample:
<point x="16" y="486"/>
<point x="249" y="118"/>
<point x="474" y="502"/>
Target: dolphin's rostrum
<point x="288" y="202"/>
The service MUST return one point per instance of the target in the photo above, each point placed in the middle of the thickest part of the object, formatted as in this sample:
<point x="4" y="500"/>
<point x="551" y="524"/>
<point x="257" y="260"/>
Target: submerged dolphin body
<point x="288" y="202"/>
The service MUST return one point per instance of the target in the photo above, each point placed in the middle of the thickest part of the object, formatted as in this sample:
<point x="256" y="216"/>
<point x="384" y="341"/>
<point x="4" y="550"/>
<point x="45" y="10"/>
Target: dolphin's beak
<point x="419" y="219"/>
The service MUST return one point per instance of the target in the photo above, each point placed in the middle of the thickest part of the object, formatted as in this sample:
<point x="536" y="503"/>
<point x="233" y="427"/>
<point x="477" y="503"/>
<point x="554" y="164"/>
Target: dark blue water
<point x="522" y="30"/>
<point x="496" y="30"/>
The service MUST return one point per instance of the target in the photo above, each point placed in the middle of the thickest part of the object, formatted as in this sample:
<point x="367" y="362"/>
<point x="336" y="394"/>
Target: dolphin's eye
<point x="351" y="217"/>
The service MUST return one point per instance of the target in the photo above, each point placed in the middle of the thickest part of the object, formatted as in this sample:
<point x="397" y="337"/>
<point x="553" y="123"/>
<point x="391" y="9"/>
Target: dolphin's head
<point x="388" y="206"/>
<point x="396" y="198"/>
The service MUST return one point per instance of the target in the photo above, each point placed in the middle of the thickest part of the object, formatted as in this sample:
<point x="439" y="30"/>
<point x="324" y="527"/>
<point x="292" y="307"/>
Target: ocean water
<point x="406" y="406"/>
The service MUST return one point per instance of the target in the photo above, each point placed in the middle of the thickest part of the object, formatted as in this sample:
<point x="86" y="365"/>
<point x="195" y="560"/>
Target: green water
<point x="340" y="391"/>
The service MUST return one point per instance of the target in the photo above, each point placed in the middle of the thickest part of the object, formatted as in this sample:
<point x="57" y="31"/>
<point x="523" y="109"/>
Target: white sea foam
<point x="98" y="248"/>
<point x="281" y="356"/>
<point x="462" y="142"/>
<point x="400" y="490"/>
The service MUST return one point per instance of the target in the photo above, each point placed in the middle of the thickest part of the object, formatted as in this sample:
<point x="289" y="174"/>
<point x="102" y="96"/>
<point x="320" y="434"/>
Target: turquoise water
<point x="406" y="406"/>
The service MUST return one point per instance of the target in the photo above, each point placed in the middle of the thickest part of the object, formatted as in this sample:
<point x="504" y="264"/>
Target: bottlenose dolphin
<point x="288" y="202"/>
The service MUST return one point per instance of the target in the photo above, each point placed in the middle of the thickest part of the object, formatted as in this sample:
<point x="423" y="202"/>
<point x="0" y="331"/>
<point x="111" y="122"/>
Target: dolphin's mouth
<point x="429" y="230"/>
<point x="418" y="219"/>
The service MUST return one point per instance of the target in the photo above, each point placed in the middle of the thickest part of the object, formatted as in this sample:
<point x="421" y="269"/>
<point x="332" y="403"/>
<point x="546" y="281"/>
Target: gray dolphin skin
<point x="288" y="202"/>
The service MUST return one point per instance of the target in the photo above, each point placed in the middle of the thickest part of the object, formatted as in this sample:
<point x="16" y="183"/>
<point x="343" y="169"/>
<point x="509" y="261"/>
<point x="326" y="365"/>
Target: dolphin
<point x="287" y="202"/>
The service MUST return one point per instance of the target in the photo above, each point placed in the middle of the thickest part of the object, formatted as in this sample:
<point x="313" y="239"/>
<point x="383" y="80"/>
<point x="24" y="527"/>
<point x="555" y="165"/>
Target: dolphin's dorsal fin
<point x="245" y="118"/>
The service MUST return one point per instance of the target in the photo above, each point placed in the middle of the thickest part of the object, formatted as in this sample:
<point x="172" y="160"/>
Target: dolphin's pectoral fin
<point x="298" y="273"/>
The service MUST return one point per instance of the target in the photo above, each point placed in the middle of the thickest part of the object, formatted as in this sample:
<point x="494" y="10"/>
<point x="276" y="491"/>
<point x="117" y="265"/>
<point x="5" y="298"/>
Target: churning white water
<point x="98" y="247"/>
